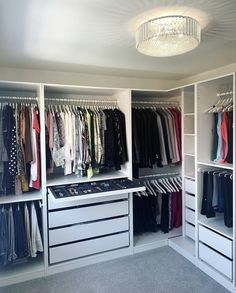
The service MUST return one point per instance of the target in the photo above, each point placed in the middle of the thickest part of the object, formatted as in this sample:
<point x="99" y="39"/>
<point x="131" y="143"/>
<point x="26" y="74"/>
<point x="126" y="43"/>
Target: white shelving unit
<point x="151" y="240"/>
<point x="206" y="96"/>
<point x="32" y="268"/>
<point x="196" y="139"/>
<point x="185" y="244"/>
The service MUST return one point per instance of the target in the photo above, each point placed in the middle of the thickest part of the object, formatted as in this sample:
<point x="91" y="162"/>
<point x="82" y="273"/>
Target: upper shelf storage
<point x="88" y="134"/>
<point x="215" y="102"/>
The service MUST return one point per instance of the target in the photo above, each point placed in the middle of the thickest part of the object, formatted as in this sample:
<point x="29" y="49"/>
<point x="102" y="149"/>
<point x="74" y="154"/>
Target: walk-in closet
<point x="117" y="145"/>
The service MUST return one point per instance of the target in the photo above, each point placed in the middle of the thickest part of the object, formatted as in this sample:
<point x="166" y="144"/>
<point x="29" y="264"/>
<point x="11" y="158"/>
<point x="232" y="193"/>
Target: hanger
<point x="168" y="184"/>
<point x="173" y="182"/>
<point x="158" y="186"/>
<point x="164" y="185"/>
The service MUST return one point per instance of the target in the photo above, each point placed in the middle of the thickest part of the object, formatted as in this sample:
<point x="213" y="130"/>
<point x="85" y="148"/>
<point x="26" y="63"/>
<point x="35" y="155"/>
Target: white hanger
<point x="158" y="186"/>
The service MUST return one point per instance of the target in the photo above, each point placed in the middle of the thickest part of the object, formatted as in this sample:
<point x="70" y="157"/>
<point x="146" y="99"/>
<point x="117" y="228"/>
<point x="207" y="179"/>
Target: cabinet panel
<point x="190" y="201"/>
<point x="190" y="216"/>
<point x="190" y="186"/>
<point x="89" y="247"/>
<point x="190" y="231"/>
<point x="217" y="261"/>
<point x="216" y="241"/>
<point x="89" y="230"/>
<point x="86" y="214"/>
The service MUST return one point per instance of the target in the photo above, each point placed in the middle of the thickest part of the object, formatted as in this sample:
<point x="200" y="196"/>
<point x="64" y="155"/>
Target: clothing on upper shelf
<point x="19" y="142"/>
<point x="20" y="235"/>
<point x="84" y="141"/>
<point x="156" y="137"/>
<point x="217" y="195"/>
<point x="159" y="207"/>
<point x="222" y="145"/>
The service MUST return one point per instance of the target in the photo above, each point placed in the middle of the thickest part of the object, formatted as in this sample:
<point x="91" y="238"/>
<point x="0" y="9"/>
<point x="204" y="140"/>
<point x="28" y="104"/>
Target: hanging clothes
<point x="222" y="138"/>
<point x="156" y="137"/>
<point x="159" y="208"/>
<point x="217" y="195"/>
<point x="85" y="141"/>
<point x="19" y="149"/>
<point x="20" y="232"/>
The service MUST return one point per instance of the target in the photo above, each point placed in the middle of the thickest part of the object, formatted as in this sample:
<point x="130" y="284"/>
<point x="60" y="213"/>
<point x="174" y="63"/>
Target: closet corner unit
<point x="157" y="163"/>
<point x="22" y="199"/>
<point x="216" y="177"/>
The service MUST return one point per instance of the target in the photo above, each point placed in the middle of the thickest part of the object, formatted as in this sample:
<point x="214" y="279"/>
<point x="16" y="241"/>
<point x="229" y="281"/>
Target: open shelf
<point x="216" y="224"/>
<point x="183" y="243"/>
<point x="70" y="179"/>
<point x="15" y="273"/>
<point x="28" y="196"/>
<point x="150" y="240"/>
<point x="217" y="165"/>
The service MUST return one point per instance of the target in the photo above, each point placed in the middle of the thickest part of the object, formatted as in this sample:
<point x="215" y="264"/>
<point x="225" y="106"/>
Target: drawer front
<point x="216" y="241"/>
<point x="89" y="247"/>
<point x="217" y="261"/>
<point x="190" y="201"/>
<point x="54" y="203"/>
<point x="86" y="214"/>
<point x="190" y="186"/>
<point x="190" y="216"/>
<point x="89" y="230"/>
<point x="190" y="231"/>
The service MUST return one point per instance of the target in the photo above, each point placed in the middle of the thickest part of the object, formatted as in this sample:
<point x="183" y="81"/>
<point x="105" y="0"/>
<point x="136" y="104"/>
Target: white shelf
<point x="28" y="196"/>
<point x="217" y="165"/>
<point x="70" y="179"/>
<point x="190" y="176"/>
<point x="16" y="273"/>
<point x="189" y="134"/>
<point x="151" y="240"/>
<point x="216" y="224"/>
<point x="187" y="154"/>
<point x="189" y="114"/>
<point x="184" y="243"/>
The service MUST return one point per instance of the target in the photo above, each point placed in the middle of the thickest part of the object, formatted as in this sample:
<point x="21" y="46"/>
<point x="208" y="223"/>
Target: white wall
<point x="69" y="78"/>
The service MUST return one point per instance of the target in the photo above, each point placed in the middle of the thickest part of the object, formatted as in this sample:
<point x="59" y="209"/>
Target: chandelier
<point x="168" y="36"/>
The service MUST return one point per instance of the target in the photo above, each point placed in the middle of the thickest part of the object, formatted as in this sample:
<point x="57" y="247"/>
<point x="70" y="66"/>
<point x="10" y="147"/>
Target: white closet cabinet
<point x="149" y="100"/>
<point x="207" y="243"/>
<point x="14" y="93"/>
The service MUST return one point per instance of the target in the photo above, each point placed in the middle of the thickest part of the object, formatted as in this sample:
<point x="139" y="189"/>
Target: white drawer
<point x="54" y="203"/>
<point x="216" y="260"/>
<point x="216" y="241"/>
<point x="190" y="231"/>
<point x="190" y="216"/>
<point x="190" y="186"/>
<point x="88" y="230"/>
<point x="89" y="247"/>
<point x="190" y="201"/>
<point x="86" y="214"/>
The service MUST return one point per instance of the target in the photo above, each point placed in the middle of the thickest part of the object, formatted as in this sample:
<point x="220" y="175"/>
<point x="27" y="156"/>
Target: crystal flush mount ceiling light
<point x="168" y="36"/>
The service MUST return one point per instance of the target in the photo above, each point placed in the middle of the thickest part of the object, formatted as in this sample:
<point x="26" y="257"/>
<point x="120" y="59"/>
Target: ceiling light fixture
<point x="168" y="36"/>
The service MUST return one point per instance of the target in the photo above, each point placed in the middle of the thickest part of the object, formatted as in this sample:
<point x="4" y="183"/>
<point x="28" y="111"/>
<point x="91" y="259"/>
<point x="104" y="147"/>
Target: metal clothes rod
<point x="225" y="94"/>
<point x="156" y="103"/>
<point x="18" y="98"/>
<point x="159" y="175"/>
<point x="80" y="101"/>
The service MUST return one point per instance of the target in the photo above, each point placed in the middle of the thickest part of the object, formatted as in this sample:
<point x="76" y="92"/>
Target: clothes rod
<point x="18" y="98"/>
<point x="159" y="175"/>
<point x="225" y="94"/>
<point x="79" y="101"/>
<point x="157" y="102"/>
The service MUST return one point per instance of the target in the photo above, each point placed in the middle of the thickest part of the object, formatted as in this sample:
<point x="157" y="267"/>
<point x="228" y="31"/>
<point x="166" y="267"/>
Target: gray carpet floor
<point x="157" y="271"/>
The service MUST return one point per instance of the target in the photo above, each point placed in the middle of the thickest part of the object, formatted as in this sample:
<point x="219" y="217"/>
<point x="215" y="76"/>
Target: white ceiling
<point x="97" y="36"/>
